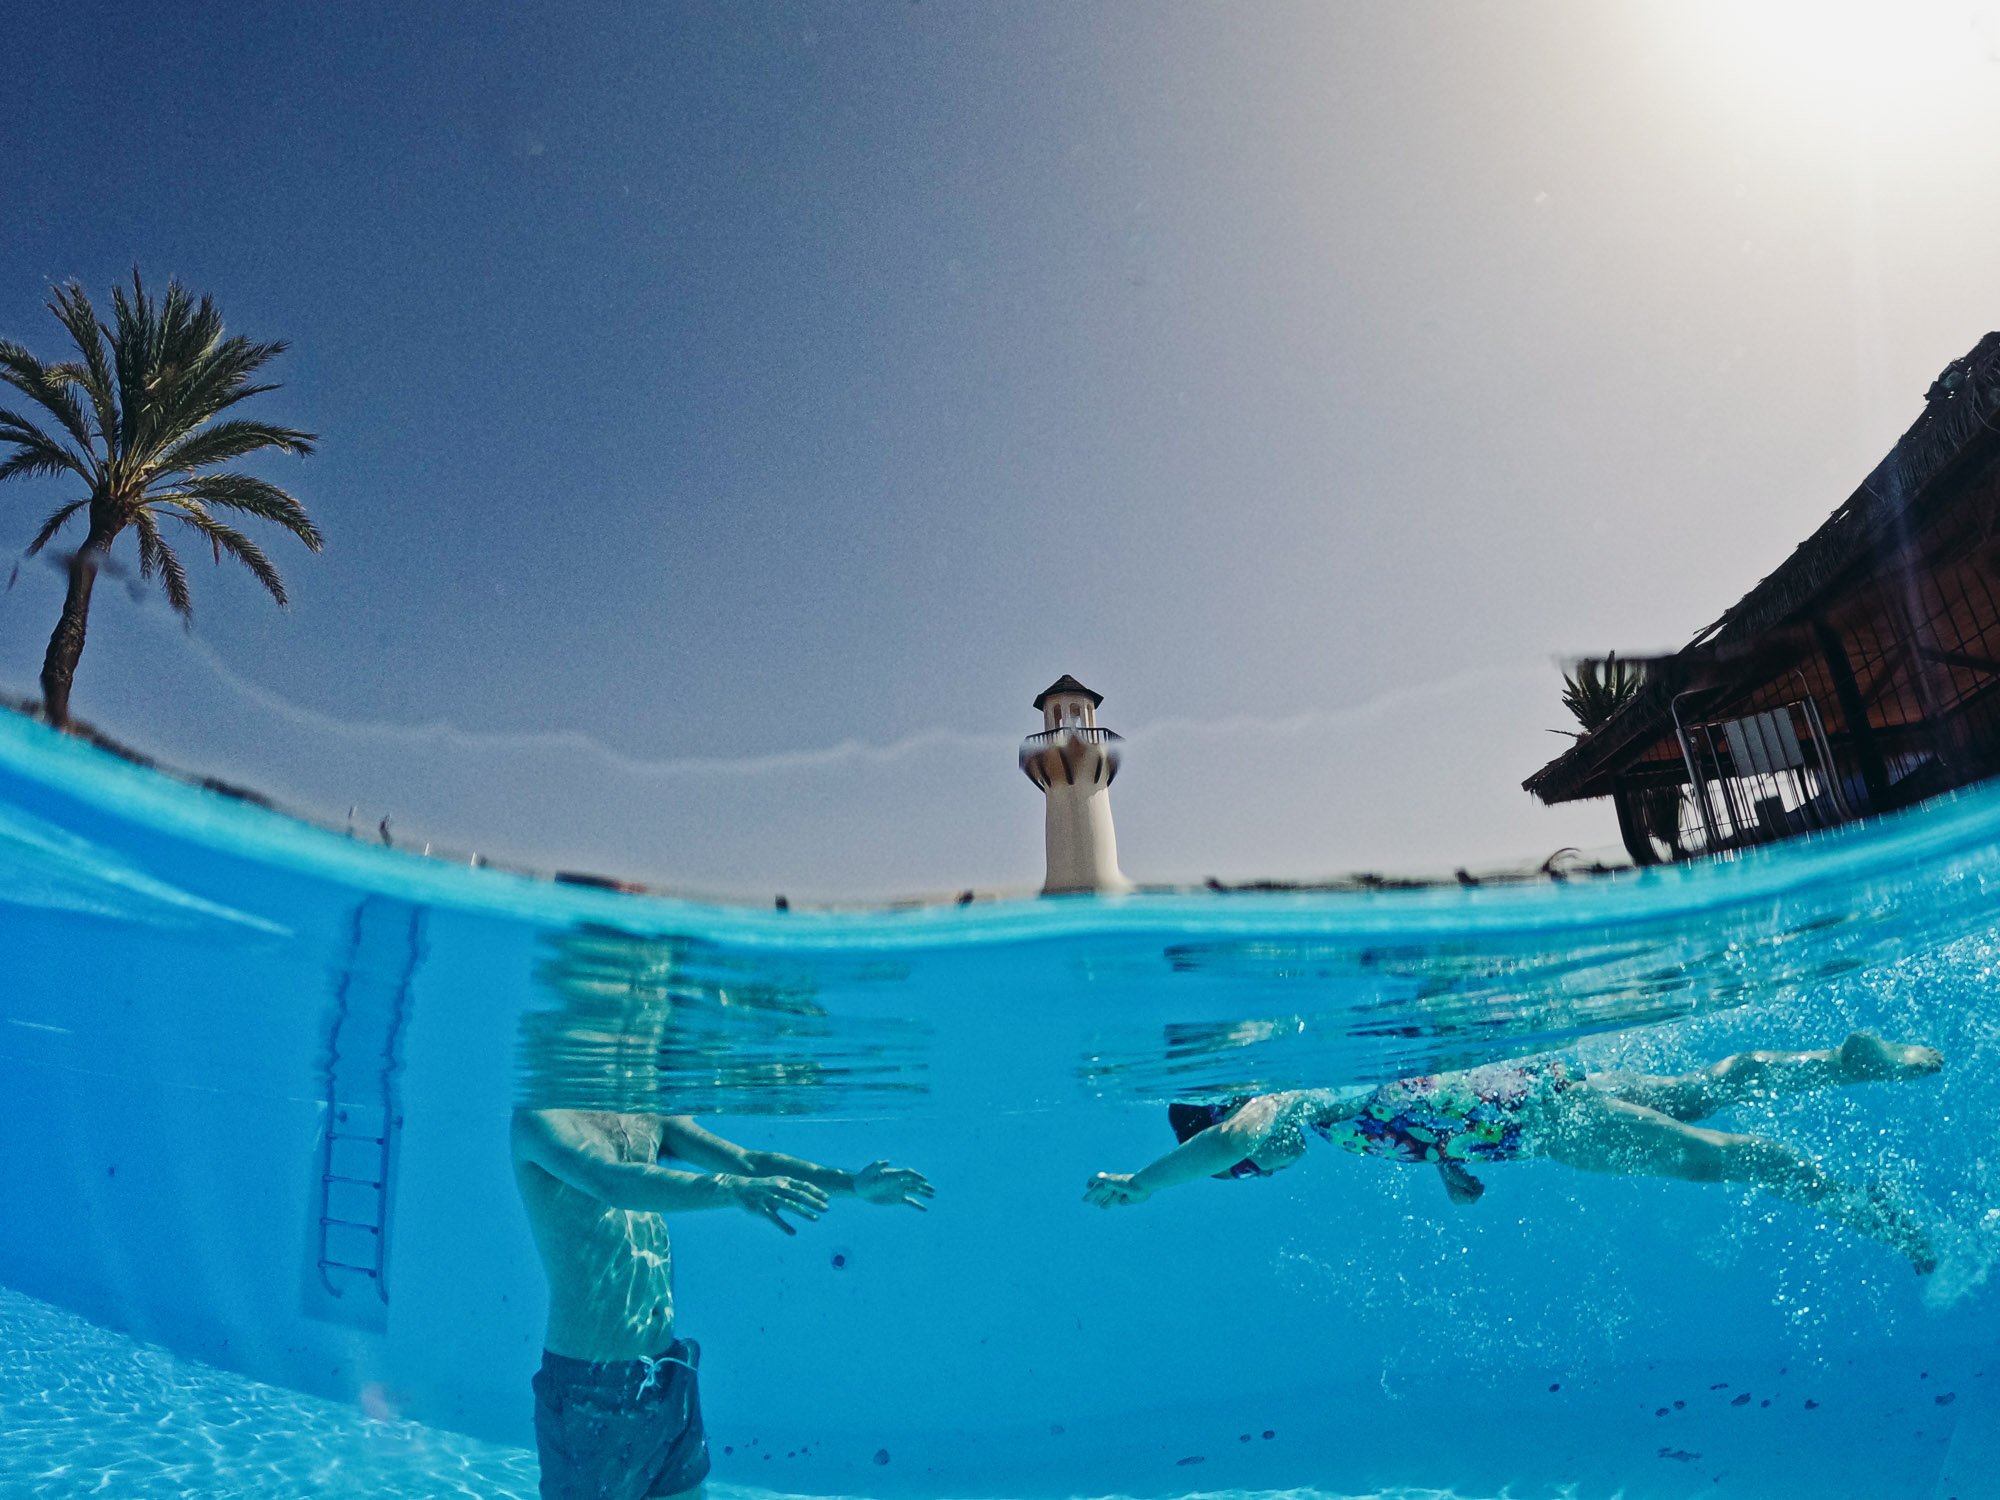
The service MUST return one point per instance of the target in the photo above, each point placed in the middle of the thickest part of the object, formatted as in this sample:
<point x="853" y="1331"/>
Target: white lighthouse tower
<point x="1073" y="761"/>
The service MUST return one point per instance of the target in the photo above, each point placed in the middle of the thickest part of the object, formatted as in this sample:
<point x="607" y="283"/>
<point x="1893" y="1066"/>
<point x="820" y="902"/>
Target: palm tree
<point x="1599" y="689"/>
<point x="1594" y="693"/>
<point x="146" y="449"/>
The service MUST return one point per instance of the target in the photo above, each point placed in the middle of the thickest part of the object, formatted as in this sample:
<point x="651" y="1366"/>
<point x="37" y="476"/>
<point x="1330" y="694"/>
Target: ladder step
<point x="341" y="1265"/>
<point x="352" y="1201"/>
<point x="346" y="1156"/>
<point x="351" y="1224"/>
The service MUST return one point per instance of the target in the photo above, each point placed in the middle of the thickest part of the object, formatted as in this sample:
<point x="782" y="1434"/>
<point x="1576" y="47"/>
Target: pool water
<point x="205" y="1003"/>
<point x="87" y="1411"/>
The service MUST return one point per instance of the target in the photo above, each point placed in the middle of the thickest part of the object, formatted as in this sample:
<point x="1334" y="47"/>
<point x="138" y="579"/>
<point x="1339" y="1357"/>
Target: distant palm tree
<point x="1595" y="693"/>
<point x="147" y="448"/>
<point x="1599" y="689"/>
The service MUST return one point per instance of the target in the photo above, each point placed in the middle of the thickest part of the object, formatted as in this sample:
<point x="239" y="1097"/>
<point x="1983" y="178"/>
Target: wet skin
<point x="596" y="1187"/>
<point x="1623" y="1124"/>
<point x="610" y="1270"/>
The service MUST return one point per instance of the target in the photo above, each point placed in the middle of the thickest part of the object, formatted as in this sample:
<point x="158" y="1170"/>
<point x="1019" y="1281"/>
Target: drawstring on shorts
<point x="655" y="1365"/>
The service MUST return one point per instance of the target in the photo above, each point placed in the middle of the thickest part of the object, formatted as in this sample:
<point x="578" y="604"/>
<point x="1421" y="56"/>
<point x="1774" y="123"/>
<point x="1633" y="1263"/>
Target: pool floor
<point x="85" y="1411"/>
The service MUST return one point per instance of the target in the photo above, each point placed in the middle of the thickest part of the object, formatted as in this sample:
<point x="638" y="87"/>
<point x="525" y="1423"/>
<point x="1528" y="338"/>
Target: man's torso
<point x="610" y="1270"/>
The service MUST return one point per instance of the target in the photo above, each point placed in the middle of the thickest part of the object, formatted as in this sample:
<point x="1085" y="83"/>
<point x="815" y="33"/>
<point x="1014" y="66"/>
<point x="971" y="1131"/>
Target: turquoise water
<point x="195" y="990"/>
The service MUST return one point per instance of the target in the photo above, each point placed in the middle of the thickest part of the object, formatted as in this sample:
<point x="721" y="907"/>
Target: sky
<point x="733" y="416"/>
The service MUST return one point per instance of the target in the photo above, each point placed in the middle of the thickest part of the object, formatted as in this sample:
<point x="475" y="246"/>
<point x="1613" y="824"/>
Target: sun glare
<point x="1858" y="52"/>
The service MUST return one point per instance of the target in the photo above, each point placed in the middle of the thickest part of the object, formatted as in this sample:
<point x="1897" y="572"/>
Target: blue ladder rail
<point x="363" y="1184"/>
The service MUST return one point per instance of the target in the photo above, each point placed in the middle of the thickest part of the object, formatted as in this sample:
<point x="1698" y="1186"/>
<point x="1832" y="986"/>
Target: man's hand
<point x="878" y="1182"/>
<point x="773" y="1197"/>
<point x="1115" y="1190"/>
<point x="1459" y="1183"/>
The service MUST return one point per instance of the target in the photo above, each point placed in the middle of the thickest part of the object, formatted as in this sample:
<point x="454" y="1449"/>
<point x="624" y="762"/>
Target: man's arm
<point x="878" y="1182"/>
<point x="683" y="1138"/>
<point x="574" y="1157"/>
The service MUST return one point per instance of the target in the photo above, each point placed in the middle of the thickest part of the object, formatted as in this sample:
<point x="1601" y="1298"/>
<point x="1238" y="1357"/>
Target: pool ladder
<point x="354" y="1244"/>
<point x="371" y="1007"/>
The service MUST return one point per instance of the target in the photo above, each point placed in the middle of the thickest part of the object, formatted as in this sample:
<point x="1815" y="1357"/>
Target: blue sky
<point x="733" y="415"/>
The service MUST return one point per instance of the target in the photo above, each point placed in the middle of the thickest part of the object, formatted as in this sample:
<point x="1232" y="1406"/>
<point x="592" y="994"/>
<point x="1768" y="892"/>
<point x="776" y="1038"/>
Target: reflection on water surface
<point x="678" y="1026"/>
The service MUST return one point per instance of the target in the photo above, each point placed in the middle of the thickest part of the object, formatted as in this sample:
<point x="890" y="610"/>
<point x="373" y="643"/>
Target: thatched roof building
<point x="1863" y="674"/>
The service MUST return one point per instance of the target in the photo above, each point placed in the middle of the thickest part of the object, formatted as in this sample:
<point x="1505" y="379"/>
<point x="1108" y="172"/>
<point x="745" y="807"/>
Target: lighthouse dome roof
<point x="1066" y="684"/>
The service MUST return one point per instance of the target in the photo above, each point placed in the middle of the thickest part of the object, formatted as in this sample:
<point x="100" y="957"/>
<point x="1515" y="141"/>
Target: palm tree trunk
<point x="66" y="644"/>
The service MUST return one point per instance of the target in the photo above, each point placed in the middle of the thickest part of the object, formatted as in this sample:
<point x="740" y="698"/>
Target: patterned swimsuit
<point x="1475" y="1115"/>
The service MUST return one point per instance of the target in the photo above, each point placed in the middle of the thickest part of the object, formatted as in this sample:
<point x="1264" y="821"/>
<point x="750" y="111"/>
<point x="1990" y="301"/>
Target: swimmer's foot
<point x="1888" y="1219"/>
<point x="1918" y="1250"/>
<point x="1916" y="1247"/>
<point x="1866" y="1059"/>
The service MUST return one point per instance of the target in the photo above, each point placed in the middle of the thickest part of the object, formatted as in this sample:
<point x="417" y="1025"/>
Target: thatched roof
<point x="1959" y="424"/>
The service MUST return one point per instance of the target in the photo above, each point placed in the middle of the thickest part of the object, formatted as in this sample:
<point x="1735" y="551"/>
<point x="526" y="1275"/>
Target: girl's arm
<point x="1240" y="1136"/>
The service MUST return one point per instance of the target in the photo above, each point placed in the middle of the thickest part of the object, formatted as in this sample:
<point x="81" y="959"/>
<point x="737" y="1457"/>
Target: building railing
<point x="1089" y="735"/>
<point x="1759" y="778"/>
<point x="1070" y="751"/>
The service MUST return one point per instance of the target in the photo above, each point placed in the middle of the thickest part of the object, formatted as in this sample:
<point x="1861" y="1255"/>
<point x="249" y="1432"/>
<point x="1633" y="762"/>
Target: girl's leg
<point x="1595" y="1132"/>
<point x="1748" y="1076"/>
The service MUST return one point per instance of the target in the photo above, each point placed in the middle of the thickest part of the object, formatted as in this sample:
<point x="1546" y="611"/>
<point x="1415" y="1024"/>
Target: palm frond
<point x="156" y="555"/>
<point x="176" y="372"/>
<point x="36" y="452"/>
<point x="254" y="497"/>
<point x="131" y="348"/>
<point x="224" y="538"/>
<point x="218" y="378"/>
<point x="73" y="310"/>
<point x="154" y="345"/>
<point x="54" y="524"/>
<point x="33" y="461"/>
<point x="232" y="439"/>
<point x="209" y="383"/>
<point x="45" y="385"/>
<point x="189" y="381"/>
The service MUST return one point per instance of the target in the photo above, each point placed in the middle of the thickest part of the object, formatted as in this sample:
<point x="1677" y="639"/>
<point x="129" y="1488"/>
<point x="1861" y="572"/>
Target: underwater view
<point x="280" y="1101"/>
<point x="554" y="947"/>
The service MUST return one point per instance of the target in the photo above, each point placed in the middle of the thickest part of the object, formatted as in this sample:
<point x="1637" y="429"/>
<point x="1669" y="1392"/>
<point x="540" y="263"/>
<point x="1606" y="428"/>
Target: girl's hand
<point x="1115" y="1190"/>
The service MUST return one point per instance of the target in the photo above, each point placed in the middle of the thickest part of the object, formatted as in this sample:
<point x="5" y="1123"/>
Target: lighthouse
<point x="1074" y="760"/>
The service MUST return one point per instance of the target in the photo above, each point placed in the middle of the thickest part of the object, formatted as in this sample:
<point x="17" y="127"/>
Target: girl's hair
<point x="1190" y="1120"/>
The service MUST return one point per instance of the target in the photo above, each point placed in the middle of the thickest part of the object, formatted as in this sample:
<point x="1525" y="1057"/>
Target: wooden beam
<point x="1961" y="659"/>
<point x="1860" y="733"/>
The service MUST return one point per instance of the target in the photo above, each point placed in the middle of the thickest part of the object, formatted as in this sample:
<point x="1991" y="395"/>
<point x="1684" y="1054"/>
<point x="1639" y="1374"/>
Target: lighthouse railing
<point x="1090" y="736"/>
